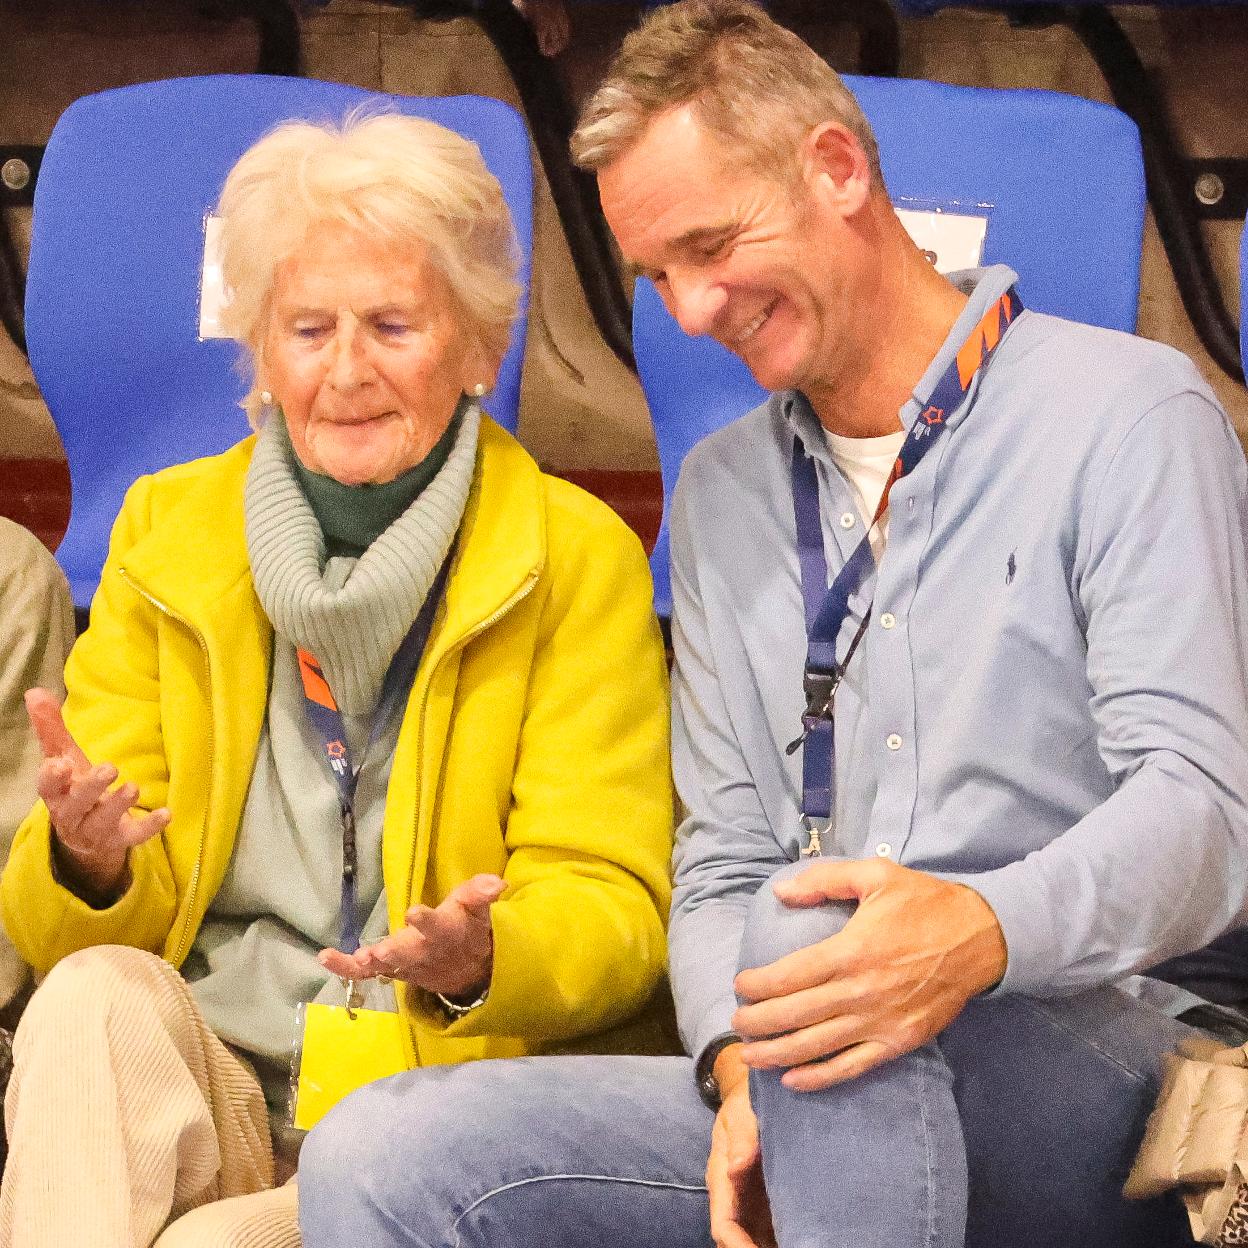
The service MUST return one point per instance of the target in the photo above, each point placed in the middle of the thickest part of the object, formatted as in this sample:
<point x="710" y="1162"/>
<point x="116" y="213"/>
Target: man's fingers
<point x="724" y="1193"/>
<point x="809" y="1044"/>
<point x="775" y="1017"/>
<point x="839" y="1069"/>
<point x="44" y="711"/>
<point x="832" y="881"/>
<point x="826" y="961"/>
<point x="740" y="1138"/>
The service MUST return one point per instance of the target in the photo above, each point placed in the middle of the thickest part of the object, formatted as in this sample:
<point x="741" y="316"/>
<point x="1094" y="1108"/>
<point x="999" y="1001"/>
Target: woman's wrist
<point x="99" y="881"/>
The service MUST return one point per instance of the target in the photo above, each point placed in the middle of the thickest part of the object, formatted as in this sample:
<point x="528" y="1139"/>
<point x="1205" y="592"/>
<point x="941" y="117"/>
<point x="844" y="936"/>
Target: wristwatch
<point x="704" y="1069"/>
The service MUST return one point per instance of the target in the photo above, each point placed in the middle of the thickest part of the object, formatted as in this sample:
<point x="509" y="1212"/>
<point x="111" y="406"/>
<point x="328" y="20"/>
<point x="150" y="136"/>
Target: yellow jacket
<point x="533" y="745"/>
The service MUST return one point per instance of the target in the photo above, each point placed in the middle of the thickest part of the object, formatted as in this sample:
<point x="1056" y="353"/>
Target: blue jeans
<point x="1015" y="1129"/>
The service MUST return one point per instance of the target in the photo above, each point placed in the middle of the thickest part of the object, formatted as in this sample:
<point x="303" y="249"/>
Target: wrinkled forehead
<point x="676" y="178"/>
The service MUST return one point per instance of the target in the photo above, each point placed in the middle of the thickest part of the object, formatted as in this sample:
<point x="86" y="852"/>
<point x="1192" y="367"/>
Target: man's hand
<point x="911" y="956"/>
<point x="91" y="822"/>
<point x="740" y="1217"/>
<point x="449" y="949"/>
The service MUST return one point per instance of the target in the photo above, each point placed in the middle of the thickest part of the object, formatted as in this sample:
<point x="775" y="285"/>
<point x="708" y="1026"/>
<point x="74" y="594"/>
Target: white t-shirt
<point x="867" y="463"/>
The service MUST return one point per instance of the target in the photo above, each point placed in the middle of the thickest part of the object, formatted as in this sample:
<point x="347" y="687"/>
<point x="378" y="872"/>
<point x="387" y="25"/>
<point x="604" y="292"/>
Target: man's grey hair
<point x="753" y="84"/>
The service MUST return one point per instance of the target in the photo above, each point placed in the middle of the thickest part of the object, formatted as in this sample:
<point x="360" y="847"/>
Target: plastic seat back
<point x="117" y="251"/>
<point x="1059" y="181"/>
<point x="1243" y="298"/>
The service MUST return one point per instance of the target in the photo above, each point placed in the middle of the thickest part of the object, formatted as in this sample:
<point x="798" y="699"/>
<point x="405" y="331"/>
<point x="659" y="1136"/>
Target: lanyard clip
<point x="355" y="997"/>
<point x="814" y="843"/>
<point x="820" y="690"/>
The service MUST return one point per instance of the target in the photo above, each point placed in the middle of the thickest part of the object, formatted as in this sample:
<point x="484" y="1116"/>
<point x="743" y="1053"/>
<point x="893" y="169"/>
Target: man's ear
<point x="836" y="167"/>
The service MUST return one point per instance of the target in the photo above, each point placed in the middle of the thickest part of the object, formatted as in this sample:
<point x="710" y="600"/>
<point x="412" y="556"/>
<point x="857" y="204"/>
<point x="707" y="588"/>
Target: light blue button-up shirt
<point x="1051" y="700"/>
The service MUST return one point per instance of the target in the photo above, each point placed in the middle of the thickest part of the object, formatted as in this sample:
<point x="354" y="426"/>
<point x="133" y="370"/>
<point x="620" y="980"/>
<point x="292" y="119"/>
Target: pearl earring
<point x="479" y="389"/>
<point x="266" y="397"/>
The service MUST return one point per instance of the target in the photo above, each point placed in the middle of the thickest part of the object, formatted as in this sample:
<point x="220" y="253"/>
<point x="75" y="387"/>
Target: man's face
<point x="765" y="268"/>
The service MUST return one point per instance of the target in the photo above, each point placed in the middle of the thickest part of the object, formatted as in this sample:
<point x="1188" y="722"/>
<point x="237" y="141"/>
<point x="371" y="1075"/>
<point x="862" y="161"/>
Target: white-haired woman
<point x="368" y="705"/>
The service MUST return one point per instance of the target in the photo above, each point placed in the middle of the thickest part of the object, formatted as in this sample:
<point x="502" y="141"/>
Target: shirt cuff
<point x="1026" y="924"/>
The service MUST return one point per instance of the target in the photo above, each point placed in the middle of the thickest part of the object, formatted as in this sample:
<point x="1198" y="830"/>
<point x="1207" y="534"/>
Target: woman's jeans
<point x="1015" y="1129"/>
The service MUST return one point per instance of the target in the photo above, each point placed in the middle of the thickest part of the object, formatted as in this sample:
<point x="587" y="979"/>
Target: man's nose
<point x="348" y="367"/>
<point x="695" y="300"/>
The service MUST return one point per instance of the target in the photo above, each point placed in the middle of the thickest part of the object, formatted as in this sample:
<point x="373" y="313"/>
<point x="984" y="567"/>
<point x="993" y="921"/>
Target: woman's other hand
<point x="449" y="949"/>
<point x="92" y="822"/>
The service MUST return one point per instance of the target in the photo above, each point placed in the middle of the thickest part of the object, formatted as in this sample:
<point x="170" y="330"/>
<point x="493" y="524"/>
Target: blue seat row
<point x="113" y="292"/>
<point x="1051" y="184"/>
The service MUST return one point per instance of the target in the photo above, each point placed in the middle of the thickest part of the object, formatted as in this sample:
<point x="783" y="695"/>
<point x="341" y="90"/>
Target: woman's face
<point x="364" y="354"/>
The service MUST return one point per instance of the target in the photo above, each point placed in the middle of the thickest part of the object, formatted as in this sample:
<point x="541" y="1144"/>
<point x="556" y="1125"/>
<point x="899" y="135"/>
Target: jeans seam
<point x="927" y="1151"/>
<point x="549" y="1178"/>
<point x="1037" y="1007"/>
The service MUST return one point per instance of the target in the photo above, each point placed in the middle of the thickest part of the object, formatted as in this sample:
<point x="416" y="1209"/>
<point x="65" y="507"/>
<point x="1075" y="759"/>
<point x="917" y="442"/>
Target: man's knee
<point x="774" y="930"/>
<point x="354" y="1146"/>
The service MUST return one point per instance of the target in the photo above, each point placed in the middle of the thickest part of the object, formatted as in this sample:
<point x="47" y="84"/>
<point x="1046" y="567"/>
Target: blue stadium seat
<point x="113" y="291"/>
<point x="1184" y="189"/>
<point x="1243" y="298"/>
<point x="1060" y="180"/>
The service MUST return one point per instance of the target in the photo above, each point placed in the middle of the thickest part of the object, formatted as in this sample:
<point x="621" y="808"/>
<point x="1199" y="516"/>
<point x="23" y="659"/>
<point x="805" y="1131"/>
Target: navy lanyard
<point x="327" y="720"/>
<point x="827" y="607"/>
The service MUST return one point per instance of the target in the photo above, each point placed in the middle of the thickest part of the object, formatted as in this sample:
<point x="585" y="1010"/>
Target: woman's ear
<point x="479" y="369"/>
<point x="836" y="167"/>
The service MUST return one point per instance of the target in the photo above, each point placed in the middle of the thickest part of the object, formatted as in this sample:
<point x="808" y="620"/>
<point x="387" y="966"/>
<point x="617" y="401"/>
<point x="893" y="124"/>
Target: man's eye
<point x="309" y="332"/>
<point x="391" y="329"/>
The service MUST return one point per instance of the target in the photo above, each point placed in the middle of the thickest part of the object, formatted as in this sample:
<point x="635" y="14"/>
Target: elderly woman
<point x="370" y="714"/>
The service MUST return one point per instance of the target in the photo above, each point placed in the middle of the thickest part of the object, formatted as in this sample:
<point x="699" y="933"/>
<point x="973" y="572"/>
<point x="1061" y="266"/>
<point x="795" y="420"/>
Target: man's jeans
<point x="1041" y="1103"/>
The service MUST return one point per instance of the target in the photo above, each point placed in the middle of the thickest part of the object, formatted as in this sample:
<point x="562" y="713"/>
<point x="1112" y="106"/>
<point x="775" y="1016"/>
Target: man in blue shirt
<point x="895" y="961"/>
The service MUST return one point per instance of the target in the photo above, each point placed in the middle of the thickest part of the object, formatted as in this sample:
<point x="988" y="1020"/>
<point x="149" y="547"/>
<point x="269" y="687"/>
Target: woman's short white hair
<point x="394" y="178"/>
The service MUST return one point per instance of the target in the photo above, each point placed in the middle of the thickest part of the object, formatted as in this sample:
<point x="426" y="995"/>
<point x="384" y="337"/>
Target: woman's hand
<point x="449" y="949"/>
<point x="92" y="823"/>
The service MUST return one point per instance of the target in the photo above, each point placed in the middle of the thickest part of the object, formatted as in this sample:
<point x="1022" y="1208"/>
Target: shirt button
<point x="893" y="742"/>
<point x="847" y="520"/>
<point x="883" y="849"/>
<point x="887" y="620"/>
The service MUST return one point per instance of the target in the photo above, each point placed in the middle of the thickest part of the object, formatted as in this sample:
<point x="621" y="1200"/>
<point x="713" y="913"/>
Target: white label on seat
<point x="950" y="240"/>
<point x="211" y="285"/>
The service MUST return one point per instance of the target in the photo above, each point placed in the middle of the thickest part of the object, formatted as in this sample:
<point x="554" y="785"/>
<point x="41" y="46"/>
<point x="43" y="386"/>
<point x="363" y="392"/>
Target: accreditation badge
<point x="339" y="1048"/>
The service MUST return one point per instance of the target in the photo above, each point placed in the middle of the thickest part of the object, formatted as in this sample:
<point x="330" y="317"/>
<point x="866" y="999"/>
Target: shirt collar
<point x="982" y="288"/>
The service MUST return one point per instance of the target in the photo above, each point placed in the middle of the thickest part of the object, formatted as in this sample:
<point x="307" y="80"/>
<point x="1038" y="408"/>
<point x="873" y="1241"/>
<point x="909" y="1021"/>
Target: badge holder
<point x="337" y="1049"/>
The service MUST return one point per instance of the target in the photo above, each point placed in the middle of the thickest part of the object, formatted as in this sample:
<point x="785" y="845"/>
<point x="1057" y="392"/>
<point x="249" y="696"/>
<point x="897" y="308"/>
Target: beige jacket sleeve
<point x="36" y="632"/>
<point x="1197" y="1140"/>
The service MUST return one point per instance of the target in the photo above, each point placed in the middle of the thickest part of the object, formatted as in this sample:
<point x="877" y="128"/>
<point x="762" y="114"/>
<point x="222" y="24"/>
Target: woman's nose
<point x="348" y="368"/>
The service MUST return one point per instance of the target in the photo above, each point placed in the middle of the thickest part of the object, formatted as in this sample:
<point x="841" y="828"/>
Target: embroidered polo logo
<point x="1010" y="569"/>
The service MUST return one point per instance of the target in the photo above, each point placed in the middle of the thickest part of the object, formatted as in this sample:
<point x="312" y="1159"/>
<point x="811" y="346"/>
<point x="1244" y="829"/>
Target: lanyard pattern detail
<point x="826" y="606"/>
<point x="327" y="720"/>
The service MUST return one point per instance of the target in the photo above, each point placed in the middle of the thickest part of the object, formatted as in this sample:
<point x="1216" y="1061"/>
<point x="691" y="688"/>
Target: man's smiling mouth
<point x="755" y="325"/>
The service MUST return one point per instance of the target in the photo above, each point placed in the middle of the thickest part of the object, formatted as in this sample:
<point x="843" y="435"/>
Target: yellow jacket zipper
<point x="193" y="887"/>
